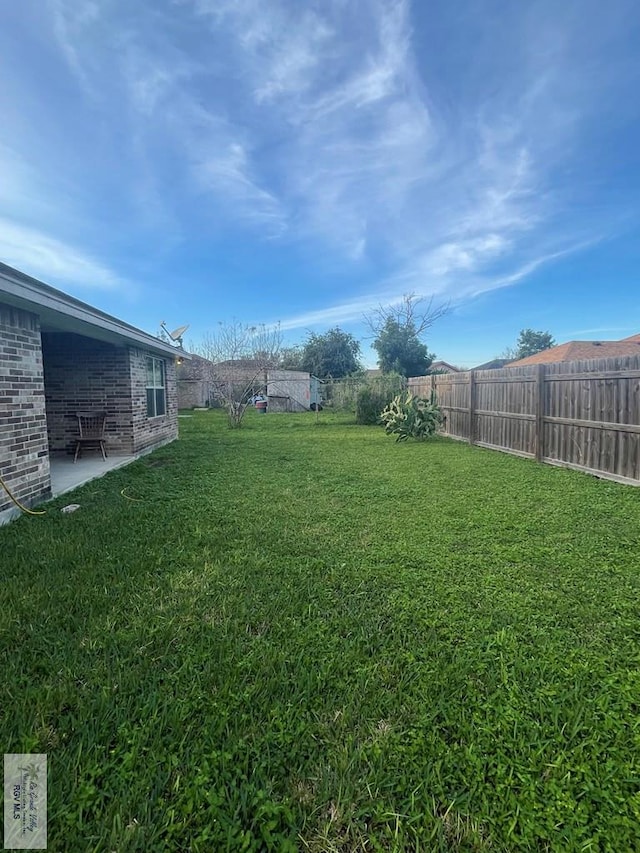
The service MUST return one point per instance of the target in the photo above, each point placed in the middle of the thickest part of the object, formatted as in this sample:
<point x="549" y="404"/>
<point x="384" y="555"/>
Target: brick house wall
<point x="45" y="378"/>
<point x="151" y="432"/>
<point x="24" y="454"/>
<point x="82" y="373"/>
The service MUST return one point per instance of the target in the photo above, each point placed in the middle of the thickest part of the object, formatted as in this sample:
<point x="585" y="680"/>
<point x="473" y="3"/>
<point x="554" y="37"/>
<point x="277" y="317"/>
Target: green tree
<point x="530" y="343"/>
<point x="333" y="354"/>
<point x="397" y="330"/>
<point x="400" y="350"/>
<point x="291" y="358"/>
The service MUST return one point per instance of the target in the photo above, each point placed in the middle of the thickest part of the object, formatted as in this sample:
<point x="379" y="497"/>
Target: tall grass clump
<point x="376" y="395"/>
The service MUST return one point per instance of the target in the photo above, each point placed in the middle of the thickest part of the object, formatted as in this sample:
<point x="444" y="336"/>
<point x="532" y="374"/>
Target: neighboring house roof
<point x="239" y="364"/>
<point x="578" y="350"/>
<point x="372" y="372"/>
<point x="237" y="370"/>
<point x="60" y="312"/>
<point x="632" y="338"/>
<point x="444" y="365"/>
<point x="494" y="364"/>
<point x="196" y="369"/>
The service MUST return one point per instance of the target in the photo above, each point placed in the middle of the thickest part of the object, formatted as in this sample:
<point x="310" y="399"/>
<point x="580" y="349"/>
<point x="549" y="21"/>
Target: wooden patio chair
<point x="91" y="426"/>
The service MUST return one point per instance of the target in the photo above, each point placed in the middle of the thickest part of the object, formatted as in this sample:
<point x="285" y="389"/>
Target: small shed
<point x="293" y="391"/>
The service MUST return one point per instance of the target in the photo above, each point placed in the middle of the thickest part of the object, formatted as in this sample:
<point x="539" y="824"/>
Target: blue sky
<point x="199" y="161"/>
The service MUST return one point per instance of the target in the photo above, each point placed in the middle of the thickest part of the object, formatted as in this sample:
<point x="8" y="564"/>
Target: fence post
<point x="539" y="436"/>
<point x="472" y="407"/>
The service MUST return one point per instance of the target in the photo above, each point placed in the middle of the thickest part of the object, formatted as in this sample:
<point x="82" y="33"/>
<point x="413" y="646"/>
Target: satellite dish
<point x="177" y="334"/>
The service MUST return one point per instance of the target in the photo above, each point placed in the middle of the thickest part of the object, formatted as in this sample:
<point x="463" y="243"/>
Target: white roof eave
<point x="60" y="312"/>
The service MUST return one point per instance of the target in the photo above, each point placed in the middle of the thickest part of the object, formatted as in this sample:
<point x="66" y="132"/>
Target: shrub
<point x="373" y="397"/>
<point x="368" y="406"/>
<point x="342" y="394"/>
<point x="411" y="417"/>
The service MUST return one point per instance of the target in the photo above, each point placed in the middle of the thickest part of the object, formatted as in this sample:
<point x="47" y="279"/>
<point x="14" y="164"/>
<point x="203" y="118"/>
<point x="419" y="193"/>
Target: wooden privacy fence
<point x="580" y="414"/>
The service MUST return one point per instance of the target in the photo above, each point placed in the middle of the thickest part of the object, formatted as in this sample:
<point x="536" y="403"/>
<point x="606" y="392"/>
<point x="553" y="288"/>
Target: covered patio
<point x="67" y="475"/>
<point x="62" y="359"/>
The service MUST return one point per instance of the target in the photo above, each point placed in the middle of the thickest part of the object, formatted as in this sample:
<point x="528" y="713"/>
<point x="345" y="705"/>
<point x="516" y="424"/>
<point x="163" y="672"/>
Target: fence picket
<point x="582" y="414"/>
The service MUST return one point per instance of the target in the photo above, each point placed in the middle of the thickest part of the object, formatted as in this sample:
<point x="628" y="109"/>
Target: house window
<point x="156" y="394"/>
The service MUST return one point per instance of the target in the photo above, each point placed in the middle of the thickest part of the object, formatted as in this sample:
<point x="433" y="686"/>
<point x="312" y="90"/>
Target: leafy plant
<point x="376" y="395"/>
<point x="411" y="417"/>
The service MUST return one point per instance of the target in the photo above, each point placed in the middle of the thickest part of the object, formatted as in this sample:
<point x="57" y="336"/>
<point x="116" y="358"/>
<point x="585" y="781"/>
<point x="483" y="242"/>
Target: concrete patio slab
<point x="65" y="475"/>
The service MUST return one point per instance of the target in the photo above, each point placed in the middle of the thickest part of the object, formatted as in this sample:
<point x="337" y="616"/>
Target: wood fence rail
<point x="579" y="414"/>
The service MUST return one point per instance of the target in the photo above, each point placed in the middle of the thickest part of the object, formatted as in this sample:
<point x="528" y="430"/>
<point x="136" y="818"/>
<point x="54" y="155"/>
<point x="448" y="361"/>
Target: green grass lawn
<point x="303" y="636"/>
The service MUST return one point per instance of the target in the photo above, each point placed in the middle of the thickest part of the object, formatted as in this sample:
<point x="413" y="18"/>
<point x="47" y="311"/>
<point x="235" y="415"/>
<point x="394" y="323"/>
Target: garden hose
<point x="129" y="498"/>
<point x="17" y="502"/>
<point x="28" y="511"/>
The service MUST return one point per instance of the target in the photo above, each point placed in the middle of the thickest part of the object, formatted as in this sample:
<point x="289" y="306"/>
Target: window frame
<point x="156" y="382"/>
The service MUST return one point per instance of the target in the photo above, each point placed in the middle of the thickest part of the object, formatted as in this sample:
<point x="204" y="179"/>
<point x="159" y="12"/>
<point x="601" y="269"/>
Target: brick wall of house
<point x="24" y="459"/>
<point x="86" y="374"/>
<point x="149" y="432"/>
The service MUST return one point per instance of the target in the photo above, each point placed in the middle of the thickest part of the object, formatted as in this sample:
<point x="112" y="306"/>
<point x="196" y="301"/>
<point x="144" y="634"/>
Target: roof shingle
<point x="578" y="350"/>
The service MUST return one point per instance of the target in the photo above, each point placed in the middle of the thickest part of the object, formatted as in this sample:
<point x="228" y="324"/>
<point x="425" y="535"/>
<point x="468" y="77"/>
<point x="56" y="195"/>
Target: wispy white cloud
<point x="70" y="20"/>
<point x="615" y="331"/>
<point x="45" y="257"/>
<point x="345" y="312"/>
<point x="337" y="134"/>
<point x="489" y="283"/>
<point x="36" y="215"/>
<point x="369" y="163"/>
<point x="326" y="115"/>
<point x="228" y="173"/>
<point x="463" y="255"/>
<point x="20" y="183"/>
<point x="212" y="154"/>
<point x="412" y="280"/>
<point x="316" y="125"/>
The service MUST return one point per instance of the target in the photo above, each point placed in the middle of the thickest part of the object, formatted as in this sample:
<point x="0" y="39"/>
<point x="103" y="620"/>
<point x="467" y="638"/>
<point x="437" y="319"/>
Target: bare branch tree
<point x="237" y="360"/>
<point x="508" y="353"/>
<point x="412" y="310"/>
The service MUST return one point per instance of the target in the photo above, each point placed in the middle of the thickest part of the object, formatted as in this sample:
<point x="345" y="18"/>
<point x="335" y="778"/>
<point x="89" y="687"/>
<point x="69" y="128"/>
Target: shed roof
<point x="60" y="312"/>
